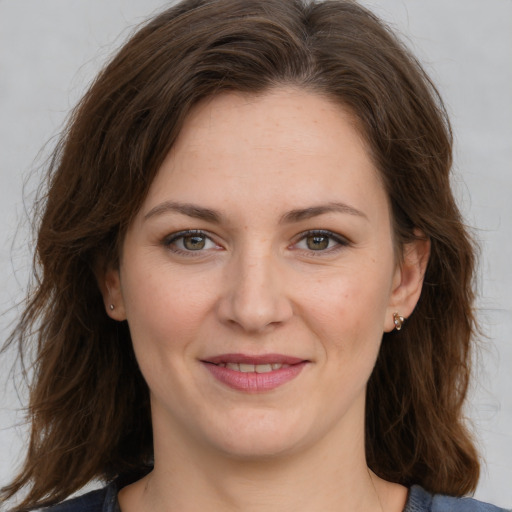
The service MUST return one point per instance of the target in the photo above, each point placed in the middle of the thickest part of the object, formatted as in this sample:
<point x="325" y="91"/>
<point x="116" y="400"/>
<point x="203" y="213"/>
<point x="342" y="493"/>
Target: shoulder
<point x="100" y="500"/>
<point x="422" y="501"/>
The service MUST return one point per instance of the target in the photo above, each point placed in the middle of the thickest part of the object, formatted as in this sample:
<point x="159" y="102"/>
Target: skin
<point x="256" y="283"/>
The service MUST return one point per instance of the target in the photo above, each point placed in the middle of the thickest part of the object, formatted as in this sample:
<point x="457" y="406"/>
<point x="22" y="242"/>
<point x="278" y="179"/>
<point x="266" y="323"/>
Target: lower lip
<point x="252" y="382"/>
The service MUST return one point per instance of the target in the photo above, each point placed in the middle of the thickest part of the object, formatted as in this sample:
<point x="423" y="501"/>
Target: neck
<point x="269" y="486"/>
<point x="316" y="479"/>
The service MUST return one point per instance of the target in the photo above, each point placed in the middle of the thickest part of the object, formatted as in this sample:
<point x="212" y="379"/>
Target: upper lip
<point x="254" y="359"/>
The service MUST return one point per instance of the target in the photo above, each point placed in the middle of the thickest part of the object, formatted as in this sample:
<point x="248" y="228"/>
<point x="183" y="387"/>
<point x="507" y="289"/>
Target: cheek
<point x="353" y="299"/>
<point x="348" y="310"/>
<point x="166" y="310"/>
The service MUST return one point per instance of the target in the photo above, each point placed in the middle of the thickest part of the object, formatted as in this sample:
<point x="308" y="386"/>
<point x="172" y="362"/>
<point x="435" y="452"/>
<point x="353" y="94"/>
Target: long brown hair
<point x="89" y="406"/>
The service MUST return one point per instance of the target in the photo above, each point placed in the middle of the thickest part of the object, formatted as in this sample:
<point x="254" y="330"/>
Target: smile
<point x="253" y="368"/>
<point x="254" y="374"/>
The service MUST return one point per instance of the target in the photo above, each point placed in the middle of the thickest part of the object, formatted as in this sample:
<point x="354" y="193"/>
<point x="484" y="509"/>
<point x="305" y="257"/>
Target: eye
<point x="189" y="241"/>
<point x="320" y="240"/>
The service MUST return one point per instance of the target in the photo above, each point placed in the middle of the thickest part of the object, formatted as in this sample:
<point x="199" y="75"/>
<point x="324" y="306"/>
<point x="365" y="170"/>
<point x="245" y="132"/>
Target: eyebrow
<point x="191" y="210"/>
<point x="207" y="214"/>
<point x="315" y="211"/>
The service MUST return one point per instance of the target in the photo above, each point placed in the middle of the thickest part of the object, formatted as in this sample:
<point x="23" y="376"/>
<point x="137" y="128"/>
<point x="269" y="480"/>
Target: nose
<point x="255" y="294"/>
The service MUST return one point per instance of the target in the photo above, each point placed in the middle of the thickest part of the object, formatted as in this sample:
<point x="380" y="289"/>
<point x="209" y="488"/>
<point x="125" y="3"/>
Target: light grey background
<point x="51" y="49"/>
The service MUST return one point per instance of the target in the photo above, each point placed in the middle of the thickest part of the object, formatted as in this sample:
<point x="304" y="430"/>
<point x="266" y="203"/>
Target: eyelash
<point x="170" y="241"/>
<point x="340" y="241"/>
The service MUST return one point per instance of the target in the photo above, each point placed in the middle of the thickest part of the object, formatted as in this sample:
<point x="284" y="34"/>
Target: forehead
<point x="283" y="118"/>
<point x="242" y="147"/>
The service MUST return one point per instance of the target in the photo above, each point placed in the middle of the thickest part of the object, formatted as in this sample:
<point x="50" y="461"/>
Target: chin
<point x="259" y="449"/>
<point x="259" y="438"/>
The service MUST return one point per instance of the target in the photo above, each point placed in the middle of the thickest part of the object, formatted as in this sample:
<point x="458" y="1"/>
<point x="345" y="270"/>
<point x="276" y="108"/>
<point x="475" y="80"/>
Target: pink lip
<point x="256" y="359"/>
<point x="253" y="382"/>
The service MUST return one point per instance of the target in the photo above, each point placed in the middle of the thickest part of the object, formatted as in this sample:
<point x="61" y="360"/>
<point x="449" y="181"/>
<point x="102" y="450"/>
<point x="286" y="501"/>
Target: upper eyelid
<point x="190" y="232"/>
<point x="172" y="237"/>
<point x="341" y="239"/>
<point x="325" y="232"/>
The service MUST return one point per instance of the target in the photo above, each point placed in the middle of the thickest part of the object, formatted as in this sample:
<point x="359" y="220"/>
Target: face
<point x="259" y="277"/>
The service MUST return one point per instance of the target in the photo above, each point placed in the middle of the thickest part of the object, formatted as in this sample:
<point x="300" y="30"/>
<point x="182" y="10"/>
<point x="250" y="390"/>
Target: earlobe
<point x="408" y="280"/>
<point x="110" y="286"/>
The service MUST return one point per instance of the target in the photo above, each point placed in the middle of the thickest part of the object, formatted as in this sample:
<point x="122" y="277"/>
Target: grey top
<point x="419" y="500"/>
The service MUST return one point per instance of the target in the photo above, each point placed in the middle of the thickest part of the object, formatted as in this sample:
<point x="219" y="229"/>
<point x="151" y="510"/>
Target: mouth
<point x="254" y="374"/>
<point x="253" y="368"/>
<point x="263" y="363"/>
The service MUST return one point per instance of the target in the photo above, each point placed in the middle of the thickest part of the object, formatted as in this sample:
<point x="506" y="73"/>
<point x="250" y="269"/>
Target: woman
<point x="247" y="204"/>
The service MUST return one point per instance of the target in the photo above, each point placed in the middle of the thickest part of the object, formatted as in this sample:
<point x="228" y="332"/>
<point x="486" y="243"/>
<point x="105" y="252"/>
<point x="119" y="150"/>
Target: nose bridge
<point x="256" y="295"/>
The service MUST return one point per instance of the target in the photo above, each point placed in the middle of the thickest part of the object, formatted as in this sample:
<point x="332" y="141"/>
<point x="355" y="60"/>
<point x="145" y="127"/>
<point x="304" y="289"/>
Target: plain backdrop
<point x="51" y="49"/>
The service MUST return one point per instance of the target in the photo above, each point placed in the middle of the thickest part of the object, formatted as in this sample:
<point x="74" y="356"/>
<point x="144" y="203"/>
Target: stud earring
<point x="398" y="321"/>
<point x="112" y="307"/>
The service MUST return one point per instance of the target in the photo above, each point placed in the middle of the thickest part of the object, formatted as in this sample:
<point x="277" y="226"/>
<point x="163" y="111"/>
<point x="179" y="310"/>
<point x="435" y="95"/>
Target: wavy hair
<point x="89" y="404"/>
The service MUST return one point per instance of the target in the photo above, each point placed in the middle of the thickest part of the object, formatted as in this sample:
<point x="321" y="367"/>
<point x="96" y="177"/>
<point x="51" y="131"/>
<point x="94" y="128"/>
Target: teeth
<point x="263" y="368"/>
<point x="253" y="368"/>
<point x="247" y="368"/>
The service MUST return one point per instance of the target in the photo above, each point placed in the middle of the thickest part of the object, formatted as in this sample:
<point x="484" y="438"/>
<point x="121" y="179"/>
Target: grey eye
<point x="194" y="242"/>
<point x="189" y="241"/>
<point x="317" y="242"/>
<point x="320" y="241"/>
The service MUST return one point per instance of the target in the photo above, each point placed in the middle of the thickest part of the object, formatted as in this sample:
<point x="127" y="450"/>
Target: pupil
<point x="194" y="243"/>
<point x="317" y="242"/>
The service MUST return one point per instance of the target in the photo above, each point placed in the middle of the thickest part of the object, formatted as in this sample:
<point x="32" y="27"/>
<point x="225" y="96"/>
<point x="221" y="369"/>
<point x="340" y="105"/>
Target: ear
<point x="408" y="279"/>
<point x="110" y="286"/>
